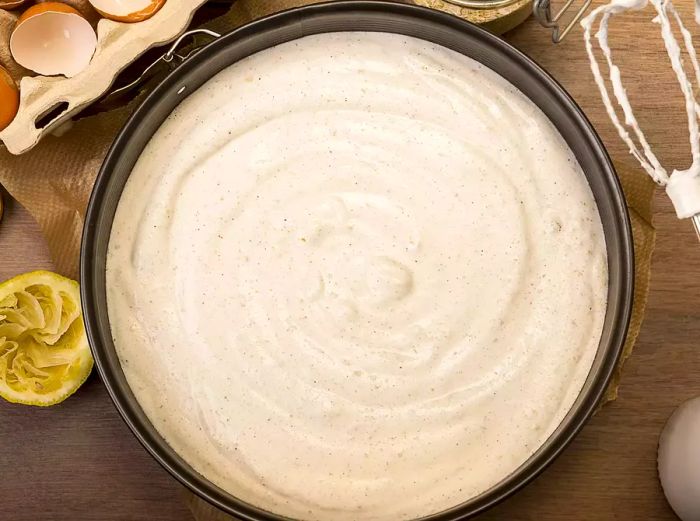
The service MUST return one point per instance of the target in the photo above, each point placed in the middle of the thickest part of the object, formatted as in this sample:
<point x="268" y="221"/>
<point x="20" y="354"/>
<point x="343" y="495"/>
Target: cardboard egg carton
<point x="118" y="44"/>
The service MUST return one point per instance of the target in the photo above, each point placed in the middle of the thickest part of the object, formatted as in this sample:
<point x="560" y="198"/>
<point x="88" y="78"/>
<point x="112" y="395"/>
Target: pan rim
<point x="297" y="21"/>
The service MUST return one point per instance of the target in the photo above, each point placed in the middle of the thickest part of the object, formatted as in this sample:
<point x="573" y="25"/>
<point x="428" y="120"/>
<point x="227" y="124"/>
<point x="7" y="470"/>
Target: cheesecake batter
<point x="356" y="276"/>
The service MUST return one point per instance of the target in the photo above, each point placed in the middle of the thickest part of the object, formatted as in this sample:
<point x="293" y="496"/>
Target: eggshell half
<point x="127" y="10"/>
<point x="53" y="38"/>
<point x="679" y="460"/>
<point x="9" y="98"/>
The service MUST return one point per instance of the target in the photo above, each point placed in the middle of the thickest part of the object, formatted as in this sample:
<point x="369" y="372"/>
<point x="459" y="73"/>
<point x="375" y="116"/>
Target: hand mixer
<point x="679" y="445"/>
<point x="682" y="186"/>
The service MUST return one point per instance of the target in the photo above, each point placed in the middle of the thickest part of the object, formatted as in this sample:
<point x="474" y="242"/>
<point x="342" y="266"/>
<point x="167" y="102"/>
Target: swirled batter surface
<point x="356" y="276"/>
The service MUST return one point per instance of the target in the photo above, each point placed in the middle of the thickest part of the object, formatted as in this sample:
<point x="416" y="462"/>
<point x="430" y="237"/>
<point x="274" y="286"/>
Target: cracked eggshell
<point x="118" y="44"/>
<point x="53" y="38"/>
<point x="127" y="10"/>
<point x="11" y="4"/>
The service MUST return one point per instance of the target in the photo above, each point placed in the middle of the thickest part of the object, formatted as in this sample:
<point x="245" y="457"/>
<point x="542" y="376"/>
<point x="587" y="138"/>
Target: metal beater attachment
<point x="682" y="186"/>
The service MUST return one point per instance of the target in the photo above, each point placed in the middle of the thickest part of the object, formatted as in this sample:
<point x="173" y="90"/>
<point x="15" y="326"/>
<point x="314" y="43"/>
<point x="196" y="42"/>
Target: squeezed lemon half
<point x="44" y="353"/>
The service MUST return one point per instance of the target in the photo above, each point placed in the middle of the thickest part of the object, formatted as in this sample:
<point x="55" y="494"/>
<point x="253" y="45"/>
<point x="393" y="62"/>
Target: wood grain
<point x="79" y="462"/>
<point x="76" y="461"/>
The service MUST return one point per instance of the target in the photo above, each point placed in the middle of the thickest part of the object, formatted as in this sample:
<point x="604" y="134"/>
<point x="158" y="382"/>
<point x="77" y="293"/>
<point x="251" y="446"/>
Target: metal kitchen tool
<point x="185" y="46"/>
<point x="682" y="186"/>
<point x="683" y="189"/>
<point x="438" y="28"/>
<point x="541" y="9"/>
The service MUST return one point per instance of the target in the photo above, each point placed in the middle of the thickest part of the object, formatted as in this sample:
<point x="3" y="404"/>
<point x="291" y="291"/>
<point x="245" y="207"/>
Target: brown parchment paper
<point x="53" y="182"/>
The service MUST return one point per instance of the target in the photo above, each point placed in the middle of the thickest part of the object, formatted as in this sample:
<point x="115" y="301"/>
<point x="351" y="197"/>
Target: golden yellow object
<point x="44" y="353"/>
<point x="498" y="20"/>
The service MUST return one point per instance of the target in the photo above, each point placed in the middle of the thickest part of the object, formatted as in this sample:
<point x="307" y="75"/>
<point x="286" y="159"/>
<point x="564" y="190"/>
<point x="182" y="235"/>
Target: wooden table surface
<point x="78" y="461"/>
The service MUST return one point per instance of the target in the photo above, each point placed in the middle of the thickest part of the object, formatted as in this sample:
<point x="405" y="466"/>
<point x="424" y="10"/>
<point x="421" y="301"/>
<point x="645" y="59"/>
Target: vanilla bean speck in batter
<point x="356" y="276"/>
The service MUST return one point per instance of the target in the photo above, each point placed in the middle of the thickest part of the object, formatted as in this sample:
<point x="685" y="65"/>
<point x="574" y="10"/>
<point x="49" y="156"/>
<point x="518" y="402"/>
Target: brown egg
<point x="11" y="4"/>
<point x="9" y="98"/>
<point x="53" y="38"/>
<point x="127" y="10"/>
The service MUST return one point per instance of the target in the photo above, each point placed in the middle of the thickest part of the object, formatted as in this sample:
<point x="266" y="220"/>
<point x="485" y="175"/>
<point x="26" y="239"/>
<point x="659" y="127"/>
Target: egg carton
<point x="60" y="98"/>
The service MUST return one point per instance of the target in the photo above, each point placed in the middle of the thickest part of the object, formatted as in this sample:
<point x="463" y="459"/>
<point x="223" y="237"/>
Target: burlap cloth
<point x="53" y="182"/>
